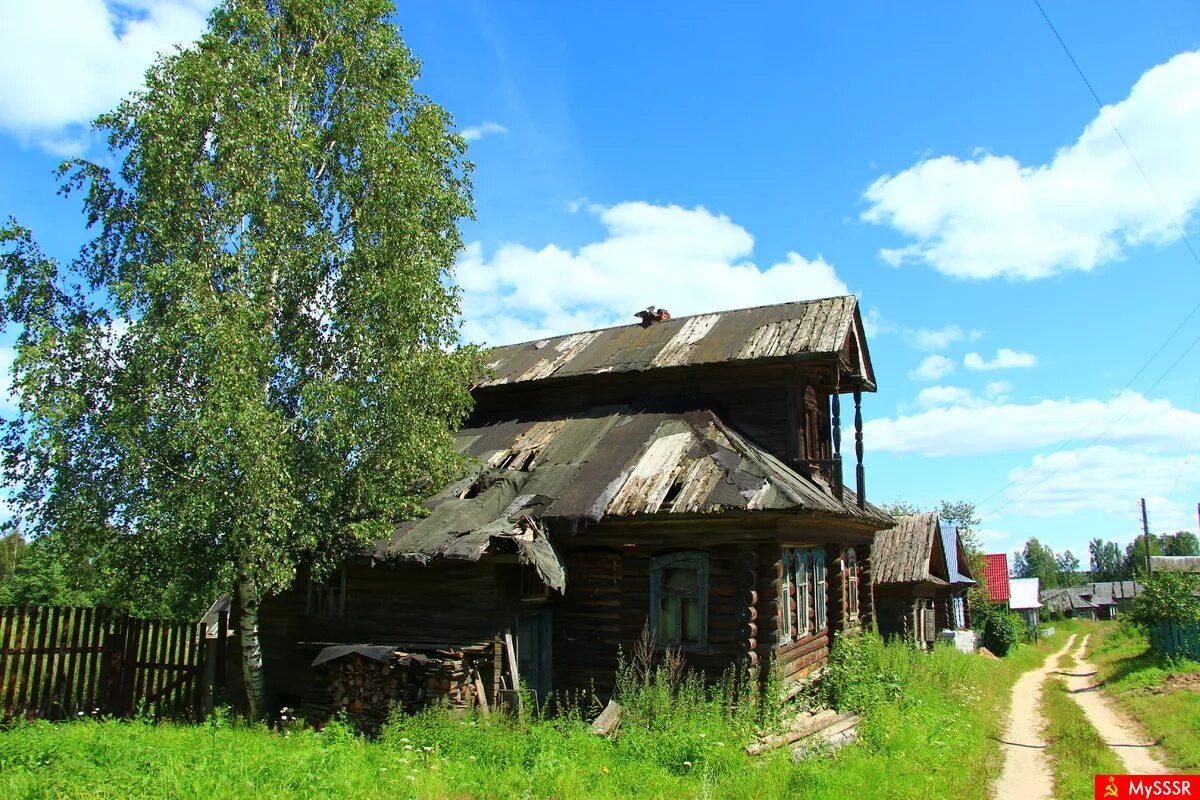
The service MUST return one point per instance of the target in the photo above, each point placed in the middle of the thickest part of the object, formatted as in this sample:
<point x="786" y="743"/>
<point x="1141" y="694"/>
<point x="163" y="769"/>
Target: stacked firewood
<point x="367" y="688"/>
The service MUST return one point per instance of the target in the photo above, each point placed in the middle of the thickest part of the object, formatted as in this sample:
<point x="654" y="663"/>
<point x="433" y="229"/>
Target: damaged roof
<point x="830" y="328"/>
<point x="608" y="462"/>
<point x="910" y="553"/>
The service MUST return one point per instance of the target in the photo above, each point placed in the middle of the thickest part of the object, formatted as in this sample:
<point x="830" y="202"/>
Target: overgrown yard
<point x="929" y="731"/>
<point x="1161" y="693"/>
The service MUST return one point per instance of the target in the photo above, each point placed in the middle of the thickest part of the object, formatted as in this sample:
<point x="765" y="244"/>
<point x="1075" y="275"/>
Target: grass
<point x="1076" y="750"/>
<point x="930" y="731"/>
<point x="1139" y="679"/>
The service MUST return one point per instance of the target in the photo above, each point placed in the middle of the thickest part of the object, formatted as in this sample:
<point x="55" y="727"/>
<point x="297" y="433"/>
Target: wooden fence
<point x="1177" y="640"/>
<point x="57" y="663"/>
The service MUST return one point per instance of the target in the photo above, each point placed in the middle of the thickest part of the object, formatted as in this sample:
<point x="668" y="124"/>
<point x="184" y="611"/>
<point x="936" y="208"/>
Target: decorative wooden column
<point x="837" y="443"/>
<point x="860" y="475"/>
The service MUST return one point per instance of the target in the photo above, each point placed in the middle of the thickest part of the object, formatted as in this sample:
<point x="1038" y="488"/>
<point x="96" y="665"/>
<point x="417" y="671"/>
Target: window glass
<point x="802" y="592"/>
<point x="818" y="572"/>
<point x="679" y="600"/>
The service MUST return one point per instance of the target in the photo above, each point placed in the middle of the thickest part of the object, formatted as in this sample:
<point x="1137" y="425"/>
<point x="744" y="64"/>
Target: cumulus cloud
<point x="1128" y="420"/>
<point x="992" y="216"/>
<point x="66" y="62"/>
<point x="932" y="368"/>
<point x="1005" y="359"/>
<point x="936" y="396"/>
<point x="1102" y="478"/>
<point x="686" y="260"/>
<point x="475" y="132"/>
<point x="940" y="339"/>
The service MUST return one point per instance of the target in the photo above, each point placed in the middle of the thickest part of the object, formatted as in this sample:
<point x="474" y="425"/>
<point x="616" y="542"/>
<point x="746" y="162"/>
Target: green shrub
<point x="863" y="672"/>
<point x="1003" y="630"/>
<point x="1168" y="597"/>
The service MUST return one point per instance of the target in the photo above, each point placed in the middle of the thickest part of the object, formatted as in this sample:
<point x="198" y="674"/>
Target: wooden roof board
<point x="613" y="463"/>
<point x="908" y="552"/>
<point x="786" y="330"/>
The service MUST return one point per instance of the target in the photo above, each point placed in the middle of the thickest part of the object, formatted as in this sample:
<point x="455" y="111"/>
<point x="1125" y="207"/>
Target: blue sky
<point x="944" y="162"/>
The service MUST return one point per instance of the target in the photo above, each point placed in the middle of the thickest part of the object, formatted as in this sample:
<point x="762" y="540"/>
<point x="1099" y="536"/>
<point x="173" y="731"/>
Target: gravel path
<point x="1130" y="746"/>
<point x="1026" y="769"/>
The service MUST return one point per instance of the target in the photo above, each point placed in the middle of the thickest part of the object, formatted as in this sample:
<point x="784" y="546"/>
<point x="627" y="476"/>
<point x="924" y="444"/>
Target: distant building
<point x="1023" y="599"/>
<point x="995" y="578"/>
<point x="1104" y="600"/>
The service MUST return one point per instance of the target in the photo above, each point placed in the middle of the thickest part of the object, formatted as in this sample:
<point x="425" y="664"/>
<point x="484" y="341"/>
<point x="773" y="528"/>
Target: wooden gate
<point x="57" y="663"/>
<point x="1177" y="639"/>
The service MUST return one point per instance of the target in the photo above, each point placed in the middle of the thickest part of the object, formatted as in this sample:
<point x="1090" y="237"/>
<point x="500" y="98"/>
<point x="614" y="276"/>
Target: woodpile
<point x="367" y="689"/>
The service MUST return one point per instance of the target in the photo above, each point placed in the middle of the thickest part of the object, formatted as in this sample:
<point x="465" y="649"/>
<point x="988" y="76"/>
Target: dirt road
<point x="1129" y="745"/>
<point x="1026" y="769"/>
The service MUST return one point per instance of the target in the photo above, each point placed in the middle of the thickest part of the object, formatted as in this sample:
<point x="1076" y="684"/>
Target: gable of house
<point x="995" y="577"/>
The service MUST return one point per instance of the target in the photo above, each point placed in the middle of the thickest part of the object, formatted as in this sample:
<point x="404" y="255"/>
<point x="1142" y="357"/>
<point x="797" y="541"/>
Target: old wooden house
<point x="921" y="575"/>
<point x="682" y="475"/>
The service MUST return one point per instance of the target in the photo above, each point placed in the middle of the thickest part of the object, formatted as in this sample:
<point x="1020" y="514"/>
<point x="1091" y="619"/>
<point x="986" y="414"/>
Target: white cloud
<point x="932" y="368"/>
<point x="1005" y="359"/>
<point x="940" y="339"/>
<point x="1127" y="420"/>
<point x="997" y="389"/>
<point x="475" y="132"/>
<point x="1101" y="478"/>
<point x="685" y="260"/>
<point x="65" y="62"/>
<point x="992" y="534"/>
<point x="937" y="396"/>
<point x="991" y="216"/>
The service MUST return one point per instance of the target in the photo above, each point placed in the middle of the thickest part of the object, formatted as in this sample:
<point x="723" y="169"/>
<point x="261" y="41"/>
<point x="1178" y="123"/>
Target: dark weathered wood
<point x="51" y="661"/>
<point x="33" y="665"/>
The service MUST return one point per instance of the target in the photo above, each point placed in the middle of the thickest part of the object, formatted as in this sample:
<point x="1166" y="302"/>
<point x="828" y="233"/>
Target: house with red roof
<point x="995" y="577"/>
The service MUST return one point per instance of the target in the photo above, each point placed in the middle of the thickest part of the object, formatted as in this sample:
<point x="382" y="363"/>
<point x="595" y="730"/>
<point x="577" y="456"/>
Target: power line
<point x="1175" y="332"/>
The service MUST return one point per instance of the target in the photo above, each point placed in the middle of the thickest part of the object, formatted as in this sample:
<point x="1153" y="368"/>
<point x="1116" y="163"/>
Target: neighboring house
<point x="1103" y="600"/>
<point x="1113" y="597"/>
<point x="995" y="578"/>
<point x="919" y="585"/>
<point x="1023" y="599"/>
<point x="682" y="475"/>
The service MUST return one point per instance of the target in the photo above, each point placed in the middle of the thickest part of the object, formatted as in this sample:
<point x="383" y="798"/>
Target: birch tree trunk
<point x="252" y="660"/>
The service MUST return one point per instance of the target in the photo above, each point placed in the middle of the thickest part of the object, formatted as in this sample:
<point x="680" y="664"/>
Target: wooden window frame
<point x="852" y="582"/>
<point x="820" y="590"/>
<point x="658" y="565"/>
<point x="785" y="600"/>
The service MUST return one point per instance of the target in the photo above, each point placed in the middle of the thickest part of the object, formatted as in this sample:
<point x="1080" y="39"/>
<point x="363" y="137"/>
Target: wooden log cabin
<point x="921" y="575"/>
<point x="682" y="474"/>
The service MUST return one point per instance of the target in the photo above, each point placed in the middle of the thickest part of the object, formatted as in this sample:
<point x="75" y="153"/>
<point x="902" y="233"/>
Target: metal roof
<point x="995" y="576"/>
<point x="905" y="553"/>
<point x="607" y="462"/>
<point x="1074" y="598"/>
<point x="830" y="328"/>
<point x="1023" y="593"/>
<point x="958" y="566"/>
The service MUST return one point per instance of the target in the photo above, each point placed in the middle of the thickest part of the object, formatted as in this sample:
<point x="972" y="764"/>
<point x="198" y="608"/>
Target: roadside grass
<point x="932" y="730"/>
<point x="1140" y="680"/>
<point x="1074" y="747"/>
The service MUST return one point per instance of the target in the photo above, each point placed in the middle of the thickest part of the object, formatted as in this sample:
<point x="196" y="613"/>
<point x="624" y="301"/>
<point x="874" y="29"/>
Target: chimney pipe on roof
<point x="651" y="315"/>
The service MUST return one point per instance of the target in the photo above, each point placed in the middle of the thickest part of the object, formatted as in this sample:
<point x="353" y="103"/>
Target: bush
<point x="863" y="672"/>
<point x="1168" y="597"/>
<point x="1003" y="630"/>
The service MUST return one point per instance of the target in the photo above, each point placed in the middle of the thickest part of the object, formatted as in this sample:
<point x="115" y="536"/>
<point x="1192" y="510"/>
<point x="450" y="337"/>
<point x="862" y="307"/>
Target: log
<point x="609" y="719"/>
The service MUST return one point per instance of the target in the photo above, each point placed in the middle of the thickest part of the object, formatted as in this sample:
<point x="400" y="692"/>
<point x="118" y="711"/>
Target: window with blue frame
<point x="679" y="600"/>
<point x="802" y="593"/>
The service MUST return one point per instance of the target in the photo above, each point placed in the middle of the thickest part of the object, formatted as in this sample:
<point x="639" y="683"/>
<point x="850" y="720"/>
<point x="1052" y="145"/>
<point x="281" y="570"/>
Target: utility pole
<point x="1146" y="537"/>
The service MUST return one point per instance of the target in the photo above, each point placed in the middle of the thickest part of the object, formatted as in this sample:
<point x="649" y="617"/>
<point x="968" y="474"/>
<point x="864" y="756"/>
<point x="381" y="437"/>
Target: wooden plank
<point x="97" y="619"/>
<point x="13" y="665"/>
<point x="199" y="658"/>
<point x="33" y="665"/>
<point x="53" y="663"/>
<point x="480" y="694"/>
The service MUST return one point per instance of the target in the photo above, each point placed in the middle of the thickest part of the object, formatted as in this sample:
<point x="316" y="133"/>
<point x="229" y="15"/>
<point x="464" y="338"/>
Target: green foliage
<point x="1076" y="751"/>
<point x="1002" y="631"/>
<point x="1107" y="563"/>
<point x="1135" y="553"/>
<point x="936" y="736"/>
<point x="1037" y="560"/>
<point x="1168" y="597"/>
<point x="254" y="363"/>
<point x="1180" y="543"/>
<point x="862" y="672"/>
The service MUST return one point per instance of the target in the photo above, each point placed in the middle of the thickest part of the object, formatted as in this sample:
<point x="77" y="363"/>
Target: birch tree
<point x="253" y="364"/>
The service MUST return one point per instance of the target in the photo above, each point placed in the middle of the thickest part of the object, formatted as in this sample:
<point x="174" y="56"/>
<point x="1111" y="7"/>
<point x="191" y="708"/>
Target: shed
<point x="1023" y="599"/>
<point x="921" y="576"/>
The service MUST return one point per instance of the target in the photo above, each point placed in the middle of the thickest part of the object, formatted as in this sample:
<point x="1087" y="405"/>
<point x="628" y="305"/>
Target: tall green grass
<point x="1075" y="748"/>
<point x="928" y="732"/>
